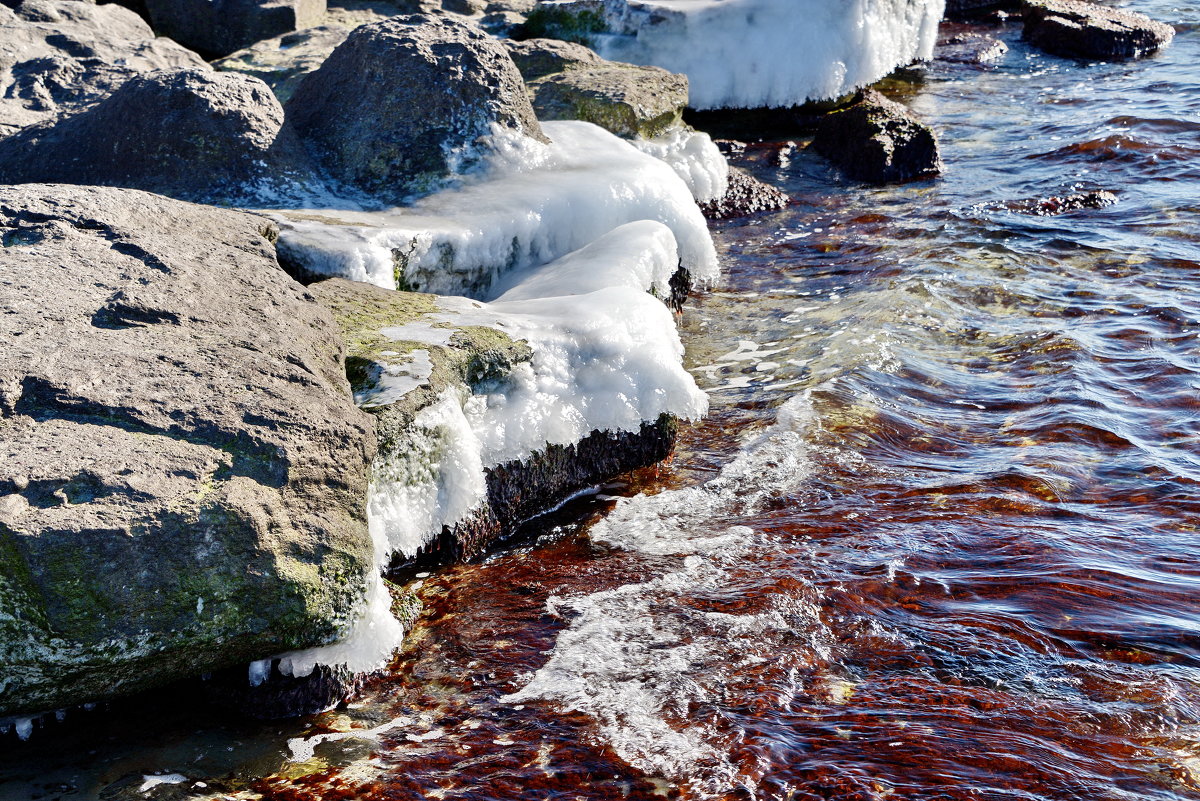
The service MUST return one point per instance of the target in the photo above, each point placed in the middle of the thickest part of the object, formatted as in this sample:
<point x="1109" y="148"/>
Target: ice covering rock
<point x="59" y="55"/>
<point x="878" y="141"/>
<point x="531" y="203"/>
<point x="753" y="53"/>
<point x="191" y="134"/>
<point x="183" y="473"/>
<point x="219" y="28"/>
<point x="402" y="103"/>
<point x="1075" y="28"/>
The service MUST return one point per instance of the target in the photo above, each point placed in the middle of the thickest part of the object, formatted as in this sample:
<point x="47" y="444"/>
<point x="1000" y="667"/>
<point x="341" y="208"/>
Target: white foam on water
<point x="531" y="204"/>
<point x="639" y="659"/>
<point x="772" y="53"/>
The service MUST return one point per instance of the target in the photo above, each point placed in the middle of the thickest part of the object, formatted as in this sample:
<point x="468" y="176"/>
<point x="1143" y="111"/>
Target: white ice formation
<point x="766" y="53"/>
<point x="562" y="246"/>
<point x="532" y="204"/>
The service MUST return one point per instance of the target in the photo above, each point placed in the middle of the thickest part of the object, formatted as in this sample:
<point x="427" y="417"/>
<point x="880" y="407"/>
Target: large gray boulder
<point x="60" y="55"/>
<point x="402" y="103"/>
<point x="1079" y="29"/>
<point x="183" y="473"/>
<point x="218" y="27"/>
<point x="191" y="134"/>
<point x="568" y="81"/>
<point x="878" y="141"/>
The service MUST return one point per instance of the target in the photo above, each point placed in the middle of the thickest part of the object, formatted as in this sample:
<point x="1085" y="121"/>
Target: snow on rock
<point x="765" y="53"/>
<point x="569" y="244"/>
<point x="533" y="203"/>
<point x="695" y="158"/>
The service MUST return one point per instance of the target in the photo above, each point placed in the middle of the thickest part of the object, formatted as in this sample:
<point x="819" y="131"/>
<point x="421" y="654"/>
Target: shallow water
<point x="937" y="540"/>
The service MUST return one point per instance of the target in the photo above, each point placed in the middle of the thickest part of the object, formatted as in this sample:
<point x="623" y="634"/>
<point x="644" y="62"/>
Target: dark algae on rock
<point x="878" y="141"/>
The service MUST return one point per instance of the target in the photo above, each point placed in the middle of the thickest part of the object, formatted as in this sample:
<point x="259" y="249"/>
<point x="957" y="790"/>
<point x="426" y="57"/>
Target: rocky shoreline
<point x="443" y="307"/>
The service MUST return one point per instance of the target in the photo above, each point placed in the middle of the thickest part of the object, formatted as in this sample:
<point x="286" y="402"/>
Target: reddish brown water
<point x="938" y="539"/>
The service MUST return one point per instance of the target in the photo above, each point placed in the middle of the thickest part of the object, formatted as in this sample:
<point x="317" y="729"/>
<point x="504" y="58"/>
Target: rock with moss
<point x="568" y="81"/>
<point x="183" y="472"/>
<point x="876" y="140"/>
<point x="61" y="55"/>
<point x="190" y="134"/>
<point x="403" y="103"/>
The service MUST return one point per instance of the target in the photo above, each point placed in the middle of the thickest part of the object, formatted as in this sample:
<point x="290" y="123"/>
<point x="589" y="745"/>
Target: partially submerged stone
<point x="570" y="82"/>
<point x="191" y="134"/>
<point x="183" y="473"/>
<point x="877" y="140"/>
<point x="1079" y="29"/>
<point x="746" y="195"/>
<point x="969" y="47"/>
<point x="60" y="55"/>
<point x="403" y="103"/>
<point x="219" y="28"/>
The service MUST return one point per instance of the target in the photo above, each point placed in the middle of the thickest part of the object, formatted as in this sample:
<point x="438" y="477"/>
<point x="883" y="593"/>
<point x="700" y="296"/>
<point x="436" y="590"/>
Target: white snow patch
<point x="396" y="380"/>
<point x="533" y="203"/>
<point x="772" y="53"/>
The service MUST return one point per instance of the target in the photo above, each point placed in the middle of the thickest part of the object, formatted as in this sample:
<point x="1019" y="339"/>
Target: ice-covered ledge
<point x="757" y="53"/>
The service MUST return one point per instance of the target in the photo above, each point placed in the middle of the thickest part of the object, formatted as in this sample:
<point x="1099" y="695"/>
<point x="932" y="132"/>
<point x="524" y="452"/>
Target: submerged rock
<point x="404" y="102"/>
<point x="1079" y="29"/>
<point x="219" y="28"/>
<point x="570" y="82"/>
<point x="877" y="140"/>
<point x="191" y="134"/>
<point x="183" y="474"/>
<point x="1055" y="205"/>
<point x="60" y="55"/>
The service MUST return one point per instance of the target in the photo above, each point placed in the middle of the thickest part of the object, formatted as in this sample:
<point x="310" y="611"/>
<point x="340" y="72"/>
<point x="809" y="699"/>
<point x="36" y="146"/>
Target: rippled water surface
<point x="937" y="540"/>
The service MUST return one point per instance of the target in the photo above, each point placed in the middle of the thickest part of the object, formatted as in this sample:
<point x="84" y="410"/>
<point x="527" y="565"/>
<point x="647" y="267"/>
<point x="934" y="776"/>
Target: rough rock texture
<point x="192" y="134"/>
<point x="746" y="195"/>
<point x="402" y="103"/>
<point x="218" y="27"/>
<point x="183" y="474"/>
<point x="877" y="140"/>
<point x="282" y="62"/>
<point x="59" y="55"/>
<point x="968" y="9"/>
<point x="568" y="81"/>
<point x="1078" y="29"/>
<point x="968" y="47"/>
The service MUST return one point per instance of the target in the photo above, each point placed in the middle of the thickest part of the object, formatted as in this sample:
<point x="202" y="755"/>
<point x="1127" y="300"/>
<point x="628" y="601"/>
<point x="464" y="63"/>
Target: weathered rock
<point x="60" y="55"/>
<point x="877" y="140"/>
<point x="571" y="82"/>
<point x="969" y="47"/>
<point x="404" y="102"/>
<point x="283" y="62"/>
<point x="219" y="28"/>
<point x="182" y="471"/>
<point x="746" y="195"/>
<point x="466" y="7"/>
<point x="1079" y="29"/>
<point x="970" y="9"/>
<point x="192" y="134"/>
<point x="537" y="58"/>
